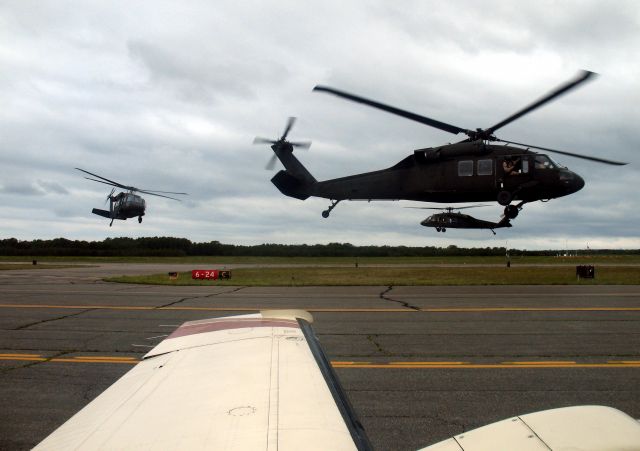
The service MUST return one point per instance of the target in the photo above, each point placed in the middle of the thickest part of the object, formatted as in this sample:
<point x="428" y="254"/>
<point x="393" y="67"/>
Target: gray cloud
<point x="169" y="95"/>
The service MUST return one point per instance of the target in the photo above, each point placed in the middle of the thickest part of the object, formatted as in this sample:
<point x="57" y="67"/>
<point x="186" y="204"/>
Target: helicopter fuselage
<point x="464" y="172"/>
<point x="455" y="220"/>
<point x="129" y="205"/>
<point x="123" y="206"/>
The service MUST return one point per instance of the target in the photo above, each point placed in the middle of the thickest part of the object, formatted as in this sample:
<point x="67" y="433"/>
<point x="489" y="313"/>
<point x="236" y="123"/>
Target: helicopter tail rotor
<point x="113" y="190"/>
<point x="281" y="143"/>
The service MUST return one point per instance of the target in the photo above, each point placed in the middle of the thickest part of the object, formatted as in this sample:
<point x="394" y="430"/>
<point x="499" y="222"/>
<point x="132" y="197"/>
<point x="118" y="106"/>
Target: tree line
<point x="180" y="247"/>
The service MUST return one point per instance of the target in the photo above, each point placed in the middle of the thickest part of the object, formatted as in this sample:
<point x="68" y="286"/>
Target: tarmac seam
<point x="198" y="297"/>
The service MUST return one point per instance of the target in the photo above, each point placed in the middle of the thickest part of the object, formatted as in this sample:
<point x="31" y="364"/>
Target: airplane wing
<point x="257" y="381"/>
<point x="261" y="381"/>
<point x="580" y="428"/>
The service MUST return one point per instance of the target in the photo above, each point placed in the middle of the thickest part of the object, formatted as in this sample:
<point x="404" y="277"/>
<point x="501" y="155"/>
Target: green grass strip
<point x="350" y="276"/>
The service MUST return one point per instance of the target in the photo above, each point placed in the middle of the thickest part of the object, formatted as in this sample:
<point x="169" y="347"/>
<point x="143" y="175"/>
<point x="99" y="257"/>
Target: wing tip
<point x="287" y="314"/>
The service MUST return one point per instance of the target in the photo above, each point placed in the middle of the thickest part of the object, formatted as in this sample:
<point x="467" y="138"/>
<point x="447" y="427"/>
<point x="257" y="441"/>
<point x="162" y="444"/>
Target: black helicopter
<point x="472" y="170"/>
<point x="455" y="220"/>
<point x="125" y="205"/>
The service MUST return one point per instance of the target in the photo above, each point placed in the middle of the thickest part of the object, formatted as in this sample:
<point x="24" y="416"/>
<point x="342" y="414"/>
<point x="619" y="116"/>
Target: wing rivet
<point x="242" y="411"/>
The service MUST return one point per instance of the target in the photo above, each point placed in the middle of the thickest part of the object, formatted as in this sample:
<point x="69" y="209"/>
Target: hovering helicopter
<point x="456" y="220"/>
<point x="124" y="205"/>
<point x="472" y="170"/>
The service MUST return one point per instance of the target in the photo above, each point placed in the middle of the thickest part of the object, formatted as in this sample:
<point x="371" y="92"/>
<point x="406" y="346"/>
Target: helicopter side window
<point x="543" y="162"/>
<point x="512" y="166"/>
<point x="485" y="167"/>
<point x="465" y="168"/>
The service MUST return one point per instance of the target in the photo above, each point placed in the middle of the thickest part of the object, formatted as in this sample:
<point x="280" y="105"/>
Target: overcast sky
<point x="168" y="95"/>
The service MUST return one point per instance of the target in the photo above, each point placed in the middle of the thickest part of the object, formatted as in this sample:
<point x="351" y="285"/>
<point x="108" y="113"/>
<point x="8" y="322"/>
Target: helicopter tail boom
<point x="291" y="186"/>
<point x="103" y="213"/>
<point x="295" y="181"/>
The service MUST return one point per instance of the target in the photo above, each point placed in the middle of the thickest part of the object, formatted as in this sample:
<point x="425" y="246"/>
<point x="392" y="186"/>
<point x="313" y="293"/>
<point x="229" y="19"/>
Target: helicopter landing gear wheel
<point x="438" y="229"/>
<point x="511" y="211"/>
<point x="327" y="212"/>
<point x="443" y="229"/>
<point x="139" y="219"/>
<point x="504" y="198"/>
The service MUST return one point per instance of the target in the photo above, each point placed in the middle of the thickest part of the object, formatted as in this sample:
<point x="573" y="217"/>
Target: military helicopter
<point x="456" y="220"/>
<point x="472" y="170"/>
<point x="124" y="205"/>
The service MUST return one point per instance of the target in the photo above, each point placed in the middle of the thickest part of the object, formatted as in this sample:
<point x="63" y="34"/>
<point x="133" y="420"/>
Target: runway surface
<point x="419" y="364"/>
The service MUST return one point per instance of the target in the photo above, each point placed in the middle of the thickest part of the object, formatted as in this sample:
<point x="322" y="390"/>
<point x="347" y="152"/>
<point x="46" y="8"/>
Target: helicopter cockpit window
<point x="485" y="167"/>
<point x="543" y="162"/>
<point x="465" y="168"/>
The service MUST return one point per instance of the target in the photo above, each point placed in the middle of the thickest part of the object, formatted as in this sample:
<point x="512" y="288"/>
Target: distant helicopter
<point x="125" y="205"/>
<point x="455" y="220"/>
<point x="472" y="170"/>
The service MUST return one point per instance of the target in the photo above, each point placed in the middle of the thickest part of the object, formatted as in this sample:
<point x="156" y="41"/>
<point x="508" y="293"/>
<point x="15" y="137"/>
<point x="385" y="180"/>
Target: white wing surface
<point x="577" y="428"/>
<point x="247" y="382"/>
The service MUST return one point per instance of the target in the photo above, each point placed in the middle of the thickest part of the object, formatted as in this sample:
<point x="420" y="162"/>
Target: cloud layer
<point x="169" y="95"/>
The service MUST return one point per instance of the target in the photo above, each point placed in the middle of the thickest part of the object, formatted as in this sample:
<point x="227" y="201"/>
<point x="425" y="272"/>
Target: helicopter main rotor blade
<point x="393" y="110"/>
<point x="151" y="191"/>
<point x="106" y="183"/>
<point x="451" y="208"/>
<point x="584" y="157"/>
<point x="562" y="89"/>
<point x="471" y="206"/>
<point x="103" y="178"/>
<point x="159" y="195"/>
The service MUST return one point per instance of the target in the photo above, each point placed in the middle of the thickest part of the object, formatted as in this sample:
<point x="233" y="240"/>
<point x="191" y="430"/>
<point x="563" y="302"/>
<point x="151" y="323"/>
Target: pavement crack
<point x="379" y="348"/>
<point x="210" y="295"/>
<point x="26" y="326"/>
<point x="384" y="296"/>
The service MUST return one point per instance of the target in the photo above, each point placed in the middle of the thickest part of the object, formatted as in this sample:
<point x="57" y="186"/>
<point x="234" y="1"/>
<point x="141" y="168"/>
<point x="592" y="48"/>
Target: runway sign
<point x="210" y="274"/>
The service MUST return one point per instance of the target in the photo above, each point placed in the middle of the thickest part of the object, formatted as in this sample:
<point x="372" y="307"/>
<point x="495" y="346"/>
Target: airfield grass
<point x="308" y="261"/>
<point x="387" y="276"/>
<point x="10" y="266"/>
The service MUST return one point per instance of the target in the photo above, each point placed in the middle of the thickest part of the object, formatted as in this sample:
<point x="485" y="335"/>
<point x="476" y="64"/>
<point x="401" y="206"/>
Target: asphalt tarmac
<point x="419" y="364"/>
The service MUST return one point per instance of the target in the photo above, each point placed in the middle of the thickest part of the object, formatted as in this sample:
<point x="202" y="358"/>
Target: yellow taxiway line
<point x="331" y="310"/>
<point x="354" y="364"/>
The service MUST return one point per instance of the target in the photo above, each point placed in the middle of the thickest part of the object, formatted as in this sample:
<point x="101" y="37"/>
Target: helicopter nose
<point x="572" y="182"/>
